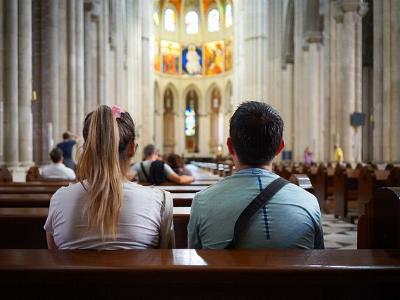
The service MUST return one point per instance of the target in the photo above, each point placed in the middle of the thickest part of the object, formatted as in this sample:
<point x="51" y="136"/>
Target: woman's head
<point x="175" y="161"/>
<point x="109" y="143"/>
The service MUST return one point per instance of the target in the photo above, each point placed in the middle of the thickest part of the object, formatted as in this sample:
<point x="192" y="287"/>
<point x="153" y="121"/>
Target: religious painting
<point x="228" y="55"/>
<point x="157" y="56"/>
<point x="214" y="58"/>
<point x="170" y="52"/>
<point x="192" y="60"/>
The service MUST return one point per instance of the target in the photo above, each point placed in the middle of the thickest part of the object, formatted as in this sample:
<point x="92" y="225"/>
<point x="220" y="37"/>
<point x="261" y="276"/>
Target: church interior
<point x="331" y="68"/>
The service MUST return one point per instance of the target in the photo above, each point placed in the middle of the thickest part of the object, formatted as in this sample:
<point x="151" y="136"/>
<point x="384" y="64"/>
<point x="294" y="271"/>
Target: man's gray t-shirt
<point x="146" y="165"/>
<point x="291" y="219"/>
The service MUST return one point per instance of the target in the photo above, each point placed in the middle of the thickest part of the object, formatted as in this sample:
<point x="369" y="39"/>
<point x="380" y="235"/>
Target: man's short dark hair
<point x="256" y="132"/>
<point x="56" y="155"/>
<point x="66" y="135"/>
<point x="149" y="150"/>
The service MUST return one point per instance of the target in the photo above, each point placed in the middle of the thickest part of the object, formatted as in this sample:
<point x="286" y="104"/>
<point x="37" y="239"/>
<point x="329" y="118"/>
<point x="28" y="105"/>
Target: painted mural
<point x="170" y="52"/>
<point x="192" y="60"/>
<point x="214" y="57"/>
<point x="157" y="57"/>
<point x="228" y="55"/>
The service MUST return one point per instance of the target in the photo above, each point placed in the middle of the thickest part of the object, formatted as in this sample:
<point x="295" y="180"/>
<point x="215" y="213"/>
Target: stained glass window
<point x="192" y="22"/>
<point x="213" y="20"/>
<point x="228" y="16"/>
<point x="170" y="20"/>
<point x="190" y="121"/>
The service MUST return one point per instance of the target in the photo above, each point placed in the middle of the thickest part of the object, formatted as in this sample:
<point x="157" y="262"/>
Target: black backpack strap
<point x="144" y="172"/>
<point x="243" y="221"/>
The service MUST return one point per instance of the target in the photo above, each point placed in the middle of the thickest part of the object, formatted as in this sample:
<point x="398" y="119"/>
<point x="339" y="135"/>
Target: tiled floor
<point x="338" y="234"/>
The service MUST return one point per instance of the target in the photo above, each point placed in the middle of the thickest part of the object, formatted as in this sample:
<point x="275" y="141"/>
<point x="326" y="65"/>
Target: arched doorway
<point x="169" y="122"/>
<point x="191" y="122"/>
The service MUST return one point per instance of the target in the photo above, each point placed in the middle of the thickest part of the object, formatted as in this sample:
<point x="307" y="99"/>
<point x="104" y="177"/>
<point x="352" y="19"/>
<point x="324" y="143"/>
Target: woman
<point x="176" y="164"/>
<point x="104" y="210"/>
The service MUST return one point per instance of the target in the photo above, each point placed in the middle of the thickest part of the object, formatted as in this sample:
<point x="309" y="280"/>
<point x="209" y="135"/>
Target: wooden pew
<point x="368" y="182"/>
<point x="323" y="187"/>
<point x="379" y="227"/>
<point x="200" y="274"/>
<point x="43" y="200"/>
<point x="15" y="189"/>
<point x="345" y="192"/>
<point x="23" y="227"/>
<point x="182" y="188"/>
<point x="303" y="181"/>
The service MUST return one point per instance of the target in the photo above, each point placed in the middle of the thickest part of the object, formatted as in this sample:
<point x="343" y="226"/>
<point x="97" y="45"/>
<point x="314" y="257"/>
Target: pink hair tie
<point x="116" y="111"/>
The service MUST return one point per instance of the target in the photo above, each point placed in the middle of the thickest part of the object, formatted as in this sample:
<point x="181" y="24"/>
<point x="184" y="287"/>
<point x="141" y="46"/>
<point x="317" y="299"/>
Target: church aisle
<point x="338" y="234"/>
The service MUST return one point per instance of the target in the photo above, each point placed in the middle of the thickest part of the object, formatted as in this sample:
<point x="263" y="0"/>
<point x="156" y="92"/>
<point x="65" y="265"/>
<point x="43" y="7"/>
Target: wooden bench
<point x="23" y="227"/>
<point x="43" y="200"/>
<point x="323" y="187"/>
<point x="379" y="227"/>
<point x="303" y="181"/>
<point x="200" y="274"/>
<point x="368" y="182"/>
<point x="345" y="190"/>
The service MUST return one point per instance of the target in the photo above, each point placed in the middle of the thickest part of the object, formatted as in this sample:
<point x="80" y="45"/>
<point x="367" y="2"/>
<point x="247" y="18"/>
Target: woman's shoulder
<point x="145" y="191"/>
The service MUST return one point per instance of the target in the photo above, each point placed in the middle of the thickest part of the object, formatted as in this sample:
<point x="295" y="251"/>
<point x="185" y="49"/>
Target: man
<point x="338" y="153"/>
<point x="291" y="218"/>
<point x="66" y="146"/>
<point x="155" y="171"/>
<point x="57" y="170"/>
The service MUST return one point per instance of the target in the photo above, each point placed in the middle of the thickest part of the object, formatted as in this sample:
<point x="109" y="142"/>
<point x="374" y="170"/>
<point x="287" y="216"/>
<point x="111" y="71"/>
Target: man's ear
<point x="229" y="144"/>
<point x="281" y="147"/>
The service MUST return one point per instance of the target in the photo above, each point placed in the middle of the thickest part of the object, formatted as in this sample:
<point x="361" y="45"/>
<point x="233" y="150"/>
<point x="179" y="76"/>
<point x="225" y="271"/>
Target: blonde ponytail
<point x="100" y="165"/>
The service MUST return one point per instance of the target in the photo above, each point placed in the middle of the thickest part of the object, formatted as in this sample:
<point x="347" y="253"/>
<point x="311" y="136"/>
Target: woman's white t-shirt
<point x="145" y="212"/>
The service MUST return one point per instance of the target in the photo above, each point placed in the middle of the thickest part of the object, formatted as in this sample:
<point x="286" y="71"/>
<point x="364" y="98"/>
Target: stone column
<point x="80" y="78"/>
<point x="378" y="81"/>
<point x="11" y="83"/>
<point x="1" y="85"/>
<point x="25" y="81"/>
<point x="72" y="83"/>
<point x="50" y="67"/>
<point x="395" y="76"/>
<point x="146" y="79"/>
<point x="311" y="101"/>
<point x="298" y="83"/>
<point x="353" y="10"/>
<point x="255" y="39"/>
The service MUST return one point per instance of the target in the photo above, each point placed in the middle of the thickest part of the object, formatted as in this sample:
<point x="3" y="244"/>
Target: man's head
<point x="335" y="146"/>
<point x="66" y="136"/>
<point x="149" y="151"/>
<point x="256" y="133"/>
<point x="56" y="155"/>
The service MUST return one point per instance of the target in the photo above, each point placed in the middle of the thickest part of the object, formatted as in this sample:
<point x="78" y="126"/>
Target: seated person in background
<point x="66" y="146"/>
<point x="155" y="171"/>
<point x="104" y="210"/>
<point x="291" y="218"/>
<point x="176" y="164"/>
<point x="57" y="170"/>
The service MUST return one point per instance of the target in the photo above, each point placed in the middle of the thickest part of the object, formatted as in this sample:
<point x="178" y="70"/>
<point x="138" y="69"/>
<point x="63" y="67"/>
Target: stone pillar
<point x="350" y="81"/>
<point x="1" y="85"/>
<point x="50" y="68"/>
<point x="255" y="39"/>
<point x="146" y="79"/>
<point x="11" y="83"/>
<point x="395" y="79"/>
<point x="298" y="83"/>
<point x="80" y="78"/>
<point x="72" y="83"/>
<point x="25" y="81"/>
<point x="378" y="82"/>
<point x="311" y="98"/>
